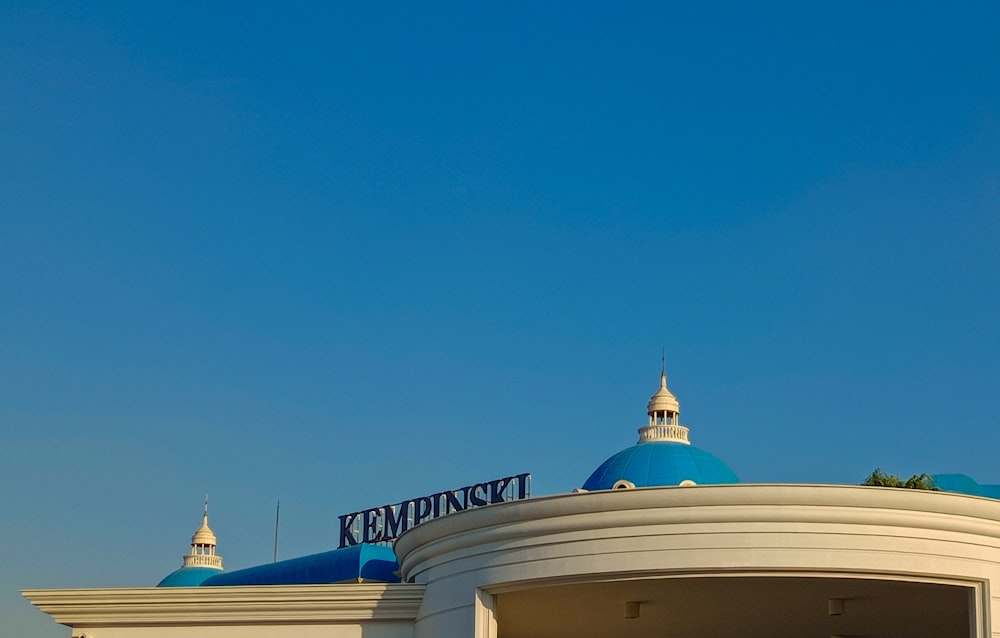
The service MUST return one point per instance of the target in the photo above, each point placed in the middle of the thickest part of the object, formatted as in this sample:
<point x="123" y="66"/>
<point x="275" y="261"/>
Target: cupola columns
<point x="663" y="408"/>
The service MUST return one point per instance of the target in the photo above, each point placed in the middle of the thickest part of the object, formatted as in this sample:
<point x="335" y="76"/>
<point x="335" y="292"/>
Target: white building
<point x="664" y="542"/>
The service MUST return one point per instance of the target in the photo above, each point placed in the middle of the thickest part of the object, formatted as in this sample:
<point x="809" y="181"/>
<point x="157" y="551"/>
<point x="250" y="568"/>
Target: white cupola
<point x="664" y="415"/>
<point x="203" y="544"/>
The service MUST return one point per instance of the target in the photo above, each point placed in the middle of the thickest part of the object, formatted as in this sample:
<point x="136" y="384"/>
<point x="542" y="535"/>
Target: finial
<point x="206" y="505"/>
<point x="663" y="368"/>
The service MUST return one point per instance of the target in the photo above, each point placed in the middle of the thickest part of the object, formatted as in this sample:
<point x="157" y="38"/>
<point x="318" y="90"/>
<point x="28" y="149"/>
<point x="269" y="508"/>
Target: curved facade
<point x="897" y="562"/>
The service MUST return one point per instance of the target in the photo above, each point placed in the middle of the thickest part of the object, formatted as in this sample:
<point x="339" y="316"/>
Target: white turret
<point x="664" y="416"/>
<point x="203" y="546"/>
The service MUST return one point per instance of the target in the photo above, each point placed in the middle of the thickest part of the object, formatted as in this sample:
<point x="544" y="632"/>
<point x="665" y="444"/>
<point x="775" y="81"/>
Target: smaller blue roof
<point x="660" y="463"/>
<point x="347" y="564"/>
<point x="963" y="484"/>
<point x="188" y="577"/>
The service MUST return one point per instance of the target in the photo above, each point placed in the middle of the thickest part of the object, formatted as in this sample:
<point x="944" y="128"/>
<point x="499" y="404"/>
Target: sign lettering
<point x="385" y="523"/>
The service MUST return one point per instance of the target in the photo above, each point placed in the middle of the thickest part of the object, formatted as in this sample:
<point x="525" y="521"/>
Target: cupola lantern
<point x="664" y="415"/>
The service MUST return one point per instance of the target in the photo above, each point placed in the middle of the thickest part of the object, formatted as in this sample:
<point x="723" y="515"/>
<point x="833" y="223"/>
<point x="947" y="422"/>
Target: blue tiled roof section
<point x="963" y="484"/>
<point x="188" y="577"/>
<point x="957" y="483"/>
<point x="348" y="564"/>
<point x="660" y="463"/>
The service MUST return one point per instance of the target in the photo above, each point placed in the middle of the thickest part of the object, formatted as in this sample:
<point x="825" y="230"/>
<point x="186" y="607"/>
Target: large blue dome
<point x="660" y="463"/>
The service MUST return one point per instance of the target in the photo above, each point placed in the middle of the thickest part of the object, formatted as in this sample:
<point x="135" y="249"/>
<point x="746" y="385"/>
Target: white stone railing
<point x="203" y="560"/>
<point x="677" y="433"/>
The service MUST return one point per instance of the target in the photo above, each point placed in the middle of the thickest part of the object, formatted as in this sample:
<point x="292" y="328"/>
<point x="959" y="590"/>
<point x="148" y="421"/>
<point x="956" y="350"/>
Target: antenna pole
<point x="277" y="514"/>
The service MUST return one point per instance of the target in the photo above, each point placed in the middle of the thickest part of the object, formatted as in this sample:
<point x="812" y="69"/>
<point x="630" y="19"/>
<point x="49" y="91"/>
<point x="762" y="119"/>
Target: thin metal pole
<point x="277" y="514"/>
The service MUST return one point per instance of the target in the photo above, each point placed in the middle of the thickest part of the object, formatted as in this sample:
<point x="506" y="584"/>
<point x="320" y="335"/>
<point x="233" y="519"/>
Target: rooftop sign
<point x="383" y="524"/>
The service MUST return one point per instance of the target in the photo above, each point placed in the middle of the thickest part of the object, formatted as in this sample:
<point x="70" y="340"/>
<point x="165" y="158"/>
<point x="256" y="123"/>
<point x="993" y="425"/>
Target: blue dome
<point x="354" y="564"/>
<point x="188" y="577"/>
<point x="964" y="485"/>
<point x="660" y="463"/>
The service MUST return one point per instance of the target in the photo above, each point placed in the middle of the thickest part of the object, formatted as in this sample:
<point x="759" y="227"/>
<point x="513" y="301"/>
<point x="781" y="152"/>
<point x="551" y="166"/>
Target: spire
<point x="203" y="544"/>
<point x="664" y="412"/>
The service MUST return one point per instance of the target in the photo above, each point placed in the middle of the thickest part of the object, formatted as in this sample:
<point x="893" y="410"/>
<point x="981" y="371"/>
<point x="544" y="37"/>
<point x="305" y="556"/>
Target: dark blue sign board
<point x="382" y="524"/>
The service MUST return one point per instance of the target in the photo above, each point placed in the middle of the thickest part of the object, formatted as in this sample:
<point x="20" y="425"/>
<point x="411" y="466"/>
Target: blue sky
<point x="344" y="255"/>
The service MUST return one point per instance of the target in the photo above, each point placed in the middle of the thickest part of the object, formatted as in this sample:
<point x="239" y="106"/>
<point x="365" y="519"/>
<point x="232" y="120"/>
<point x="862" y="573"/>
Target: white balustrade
<point x="677" y="433"/>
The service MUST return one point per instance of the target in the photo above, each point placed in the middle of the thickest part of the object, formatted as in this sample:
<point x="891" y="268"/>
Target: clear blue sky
<point x="344" y="255"/>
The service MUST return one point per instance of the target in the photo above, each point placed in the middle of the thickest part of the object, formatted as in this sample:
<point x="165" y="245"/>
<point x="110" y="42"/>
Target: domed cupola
<point x="663" y="455"/>
<point x="201" y="563"/>
<point x="203" y="544"/>
<point x="664" y="416"/>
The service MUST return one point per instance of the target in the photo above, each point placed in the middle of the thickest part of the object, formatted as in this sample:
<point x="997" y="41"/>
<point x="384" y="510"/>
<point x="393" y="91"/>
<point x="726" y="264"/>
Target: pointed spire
<point x="204" y="518"/>
<point x="663" y="373"/>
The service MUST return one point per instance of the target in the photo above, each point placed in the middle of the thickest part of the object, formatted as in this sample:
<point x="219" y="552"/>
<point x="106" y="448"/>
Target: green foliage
<point x="921" y="482"/>
<point x="881" y="478"/>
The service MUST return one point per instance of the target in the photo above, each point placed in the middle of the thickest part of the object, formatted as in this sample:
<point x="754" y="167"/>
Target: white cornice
<point x="599" y="513"/>
<point x="286" y="604"/>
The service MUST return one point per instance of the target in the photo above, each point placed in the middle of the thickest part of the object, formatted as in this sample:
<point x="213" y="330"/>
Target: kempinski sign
<point x="382" y="524"/>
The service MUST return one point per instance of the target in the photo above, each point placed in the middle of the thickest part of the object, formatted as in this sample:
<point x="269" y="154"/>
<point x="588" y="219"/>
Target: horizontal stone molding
<point x="244" y="605"/>
<point x="679" y="511"/>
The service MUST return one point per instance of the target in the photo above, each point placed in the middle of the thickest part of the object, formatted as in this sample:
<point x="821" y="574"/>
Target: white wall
<point x="723" y="530"/>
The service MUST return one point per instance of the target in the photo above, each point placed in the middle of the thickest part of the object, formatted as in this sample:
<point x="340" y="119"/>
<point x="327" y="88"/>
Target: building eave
<point x="258" y="604"/>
